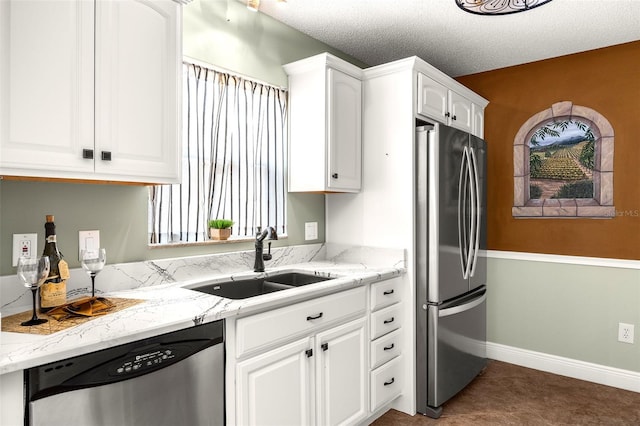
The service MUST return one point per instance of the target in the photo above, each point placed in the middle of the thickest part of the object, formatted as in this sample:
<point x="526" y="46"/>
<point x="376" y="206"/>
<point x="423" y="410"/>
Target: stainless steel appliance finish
<point x="172" y="379"/>
<point x="451" y="263"/>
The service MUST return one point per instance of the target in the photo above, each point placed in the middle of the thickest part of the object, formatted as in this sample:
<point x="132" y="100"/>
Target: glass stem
<point x="93" y="285"/>
<point x="33" y="293"/>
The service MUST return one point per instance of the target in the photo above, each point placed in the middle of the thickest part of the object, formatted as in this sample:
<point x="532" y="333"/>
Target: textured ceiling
<point x="457" y="42"/>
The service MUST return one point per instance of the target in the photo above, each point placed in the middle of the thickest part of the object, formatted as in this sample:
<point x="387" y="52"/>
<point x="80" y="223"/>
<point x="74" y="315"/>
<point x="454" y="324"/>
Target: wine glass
<point x="93" y="261"/>
<point x="33" y="272"/>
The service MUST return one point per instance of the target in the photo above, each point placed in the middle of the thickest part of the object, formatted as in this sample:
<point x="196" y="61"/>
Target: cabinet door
<point x="432" y="99"/>
<point x="342" y="374"/>
<point x="460" y="111"/>
<point x="276" y="388"/>
<point x="344" y="126"/>
<point x="46" y="86"/>
<point x="138" y="77"/>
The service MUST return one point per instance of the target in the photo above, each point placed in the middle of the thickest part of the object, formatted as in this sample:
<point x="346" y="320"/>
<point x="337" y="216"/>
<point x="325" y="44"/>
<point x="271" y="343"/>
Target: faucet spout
<point x="270" y="234"/>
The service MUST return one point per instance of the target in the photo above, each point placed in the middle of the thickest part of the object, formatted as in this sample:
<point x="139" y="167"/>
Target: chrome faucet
<point x="270" y="234"/>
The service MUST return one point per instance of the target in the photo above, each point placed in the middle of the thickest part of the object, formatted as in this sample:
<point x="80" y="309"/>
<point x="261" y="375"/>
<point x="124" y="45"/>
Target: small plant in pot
<point x="220" y="229"/>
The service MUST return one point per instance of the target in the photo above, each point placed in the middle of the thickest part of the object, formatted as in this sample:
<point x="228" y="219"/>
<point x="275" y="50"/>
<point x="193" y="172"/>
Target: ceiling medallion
<point x="498" y="7"/>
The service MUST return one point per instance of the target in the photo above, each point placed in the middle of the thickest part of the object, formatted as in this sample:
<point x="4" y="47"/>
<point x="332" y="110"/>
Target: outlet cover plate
<point x="88" y="240"/>
<point x="24" y="245"/>
<point x="625" y="333"/>
<point x="311" y="231"/>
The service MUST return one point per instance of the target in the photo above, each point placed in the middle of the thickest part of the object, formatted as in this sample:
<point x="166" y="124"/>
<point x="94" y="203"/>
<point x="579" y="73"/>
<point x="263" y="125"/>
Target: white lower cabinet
<point x="308" y="366"/>
<point x="276" y="388"/>
<point x="387" y="379"/>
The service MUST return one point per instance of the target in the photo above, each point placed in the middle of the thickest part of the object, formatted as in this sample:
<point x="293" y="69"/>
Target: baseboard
<point x="596" y="373"/>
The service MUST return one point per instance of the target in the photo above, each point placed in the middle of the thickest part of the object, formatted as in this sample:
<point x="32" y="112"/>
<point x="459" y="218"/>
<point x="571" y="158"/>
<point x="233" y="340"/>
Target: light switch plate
<point x="311" y="230"/>
<point x="89" y="240"/>
<point x="24" y="245"/>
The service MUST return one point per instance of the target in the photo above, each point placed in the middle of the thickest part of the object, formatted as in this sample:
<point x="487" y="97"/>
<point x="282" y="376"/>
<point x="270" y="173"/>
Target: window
<point x="563" y="164"/>
<point x="234" y="157"/>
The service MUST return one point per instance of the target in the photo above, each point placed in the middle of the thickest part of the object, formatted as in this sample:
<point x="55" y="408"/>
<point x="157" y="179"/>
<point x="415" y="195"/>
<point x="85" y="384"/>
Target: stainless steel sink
<point x="243" y="289"/>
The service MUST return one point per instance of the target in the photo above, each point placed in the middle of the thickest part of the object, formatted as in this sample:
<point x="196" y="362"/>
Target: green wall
<point x="223" y="33"/>
<point x="564" y="309"/>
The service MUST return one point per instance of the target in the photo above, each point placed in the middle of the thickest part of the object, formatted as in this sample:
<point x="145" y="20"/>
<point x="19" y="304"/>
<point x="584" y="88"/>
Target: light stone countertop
<point x="170" y="305"/>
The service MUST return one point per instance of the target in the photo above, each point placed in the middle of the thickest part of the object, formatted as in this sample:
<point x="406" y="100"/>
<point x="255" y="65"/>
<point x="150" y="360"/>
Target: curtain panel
<point x="234" y="160"/>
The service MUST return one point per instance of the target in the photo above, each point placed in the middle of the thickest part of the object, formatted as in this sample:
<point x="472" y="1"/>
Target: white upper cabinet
<point x="325" y="125"/>
<point x="59" y="121"/>
<point x="448" y="106"/>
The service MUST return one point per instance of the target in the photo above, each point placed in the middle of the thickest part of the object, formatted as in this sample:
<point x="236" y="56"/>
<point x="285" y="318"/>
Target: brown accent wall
<point x="606" y="80"/>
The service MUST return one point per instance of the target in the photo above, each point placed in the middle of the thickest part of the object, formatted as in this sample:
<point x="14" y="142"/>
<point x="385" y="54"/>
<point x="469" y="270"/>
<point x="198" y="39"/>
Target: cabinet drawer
<point x="386" y="348"/>
<point x="385" y="293"/>
<point x="286" y="323"/>
<point x="386" y="383"/>
<point x="386" y="320"/>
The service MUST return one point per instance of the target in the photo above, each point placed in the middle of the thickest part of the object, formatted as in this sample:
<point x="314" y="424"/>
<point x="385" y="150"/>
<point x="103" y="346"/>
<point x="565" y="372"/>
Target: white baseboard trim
<point x="596" y="373"/>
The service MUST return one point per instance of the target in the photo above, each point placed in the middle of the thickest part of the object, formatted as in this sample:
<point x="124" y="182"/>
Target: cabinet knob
<point x="106" y="156"/>
<point x="454" y="117"/>
<point x="87" y="154"/>
<point x="309" y="353"/>
<point x="324" y="346"/>
<point x="335" y="176"/>
<point x="447" y="114"/>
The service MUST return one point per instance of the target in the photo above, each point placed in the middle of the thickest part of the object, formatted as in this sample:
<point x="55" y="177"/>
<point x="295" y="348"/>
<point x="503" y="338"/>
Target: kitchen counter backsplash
<point x="137" y="275"/>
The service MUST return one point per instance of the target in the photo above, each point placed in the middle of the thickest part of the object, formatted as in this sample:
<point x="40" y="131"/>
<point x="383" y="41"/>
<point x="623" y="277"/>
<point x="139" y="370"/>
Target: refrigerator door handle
<point x="462" y="308"/>
<point x="463" y="236"/>
<point x="475" y="212"/>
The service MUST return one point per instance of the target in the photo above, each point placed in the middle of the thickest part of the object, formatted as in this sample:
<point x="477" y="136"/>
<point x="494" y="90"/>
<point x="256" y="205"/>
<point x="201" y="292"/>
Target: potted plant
<point x="220" y="229"/>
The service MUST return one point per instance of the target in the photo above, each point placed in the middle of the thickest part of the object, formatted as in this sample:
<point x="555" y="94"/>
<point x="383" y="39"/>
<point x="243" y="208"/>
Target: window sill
<point x="232" y="240"/>
<point x="563" y="208"/>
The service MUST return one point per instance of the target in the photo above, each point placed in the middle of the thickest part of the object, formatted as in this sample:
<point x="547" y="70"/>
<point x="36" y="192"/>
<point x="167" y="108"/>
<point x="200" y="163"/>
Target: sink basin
<point x="243" y="289"/>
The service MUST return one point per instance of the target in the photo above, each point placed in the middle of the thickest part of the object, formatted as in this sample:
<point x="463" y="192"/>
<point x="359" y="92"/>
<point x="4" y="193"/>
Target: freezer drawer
<point x="456" y="347"/>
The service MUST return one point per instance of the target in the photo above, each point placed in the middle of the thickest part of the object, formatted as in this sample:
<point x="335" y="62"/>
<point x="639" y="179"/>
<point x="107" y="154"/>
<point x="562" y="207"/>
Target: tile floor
<point x="506" y="394"/>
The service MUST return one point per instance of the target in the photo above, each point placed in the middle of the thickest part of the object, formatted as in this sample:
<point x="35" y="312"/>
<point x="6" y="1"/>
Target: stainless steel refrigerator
<point x="451" y="268"/>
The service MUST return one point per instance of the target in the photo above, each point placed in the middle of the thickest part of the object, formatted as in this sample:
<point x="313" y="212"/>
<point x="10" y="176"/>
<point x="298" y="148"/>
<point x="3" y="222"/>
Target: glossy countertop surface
<point x="169" y="304"/>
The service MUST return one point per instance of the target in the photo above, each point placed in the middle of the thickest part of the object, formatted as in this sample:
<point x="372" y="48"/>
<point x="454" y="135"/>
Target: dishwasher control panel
<point x="145" y="360"/>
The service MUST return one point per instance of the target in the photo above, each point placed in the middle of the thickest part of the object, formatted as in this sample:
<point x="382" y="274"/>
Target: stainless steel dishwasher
<point x="172" y="379"/>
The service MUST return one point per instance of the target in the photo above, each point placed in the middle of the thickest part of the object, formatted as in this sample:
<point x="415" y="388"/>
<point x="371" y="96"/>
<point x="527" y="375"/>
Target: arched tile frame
<point x="601" y="205"/>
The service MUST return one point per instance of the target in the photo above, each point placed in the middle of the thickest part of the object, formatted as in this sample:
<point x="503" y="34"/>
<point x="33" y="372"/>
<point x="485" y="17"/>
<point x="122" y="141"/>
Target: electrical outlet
<point x="24" y="245"/>
<point x="311" y="230"/>
<point x="89" y="240"/>
<point x="625" y="332"/>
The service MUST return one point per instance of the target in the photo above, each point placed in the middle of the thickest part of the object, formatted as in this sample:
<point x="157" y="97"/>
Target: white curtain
<point x="234" y="138"/>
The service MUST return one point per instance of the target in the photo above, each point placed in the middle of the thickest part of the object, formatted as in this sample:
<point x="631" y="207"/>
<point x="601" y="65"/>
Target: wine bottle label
<point x="63" y="267"/>
<point x="53" y="294"/>
<point x="51" y="239"/>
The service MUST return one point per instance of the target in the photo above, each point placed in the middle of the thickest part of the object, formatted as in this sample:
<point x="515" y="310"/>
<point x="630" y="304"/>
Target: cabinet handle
<point x="324" y="346"/>
<point x="386" y="293"/>
<point x="315" y="317"/>
<point x="309" y="353"/>
<point x="335" y="176"/>
<point x="106" y="156"/>
<point x="389" y="321"/>
<point x="454" y="117"/>
<point x="390" y="382"/>
<point x="87" y="154"/>
<point x="388" y="348"/>
<point x="447" y="114"/>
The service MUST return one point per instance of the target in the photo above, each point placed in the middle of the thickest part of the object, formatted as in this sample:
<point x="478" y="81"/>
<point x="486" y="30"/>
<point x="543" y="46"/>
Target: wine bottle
<point x="53" y="292"/>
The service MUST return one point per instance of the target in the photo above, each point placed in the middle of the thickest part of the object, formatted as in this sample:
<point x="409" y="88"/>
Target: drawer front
<point x="283" y="324"/>
<point x="386" y="383"/>
<point x="386" y="320"/>
<point x="386" y="348"/>
<point x="385" y="293"/>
